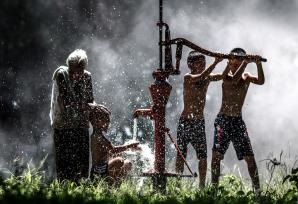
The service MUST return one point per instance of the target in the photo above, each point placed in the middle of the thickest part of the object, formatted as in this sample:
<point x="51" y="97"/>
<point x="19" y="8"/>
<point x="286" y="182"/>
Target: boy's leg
<point x="244" y="150"/>
<point x="198" y="141"/>
<point x="115" y="166"/>
<point x="182" y="144"/>
<point x="119" y="168"/>
<point x="215" y="167"/>
<point x="220" y="146"/>
<point x="202" y="171"/>
<point x="126" y="168"/>
<point x="253" y="171"/>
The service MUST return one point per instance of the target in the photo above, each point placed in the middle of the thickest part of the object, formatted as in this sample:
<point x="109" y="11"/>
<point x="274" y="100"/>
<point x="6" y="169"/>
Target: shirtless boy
<point x="229" y="125"/>
<point x="191" y="127"/>
<point x="102" y="149"/>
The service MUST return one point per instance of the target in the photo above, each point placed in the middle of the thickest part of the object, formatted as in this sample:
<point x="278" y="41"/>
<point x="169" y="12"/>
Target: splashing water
<point x="142" y="160"/>
<point x="135" y="129"/>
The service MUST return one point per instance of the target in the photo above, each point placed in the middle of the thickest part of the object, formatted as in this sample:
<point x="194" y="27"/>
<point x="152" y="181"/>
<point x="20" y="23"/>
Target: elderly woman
<point x="72" y="91"/>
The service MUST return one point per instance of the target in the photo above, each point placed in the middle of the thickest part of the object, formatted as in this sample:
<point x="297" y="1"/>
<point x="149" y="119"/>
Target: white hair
<point x="78" y="56"/>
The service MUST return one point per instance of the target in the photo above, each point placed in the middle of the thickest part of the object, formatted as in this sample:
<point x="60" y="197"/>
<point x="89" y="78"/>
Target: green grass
<point x="31" y="187"/>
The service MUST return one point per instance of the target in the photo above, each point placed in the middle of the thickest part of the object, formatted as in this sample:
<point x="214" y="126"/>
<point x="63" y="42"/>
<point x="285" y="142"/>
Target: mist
<point x="121" y="40"/>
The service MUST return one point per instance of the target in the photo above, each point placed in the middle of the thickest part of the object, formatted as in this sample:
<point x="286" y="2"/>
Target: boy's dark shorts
<point x="227" y="129"/>
<point x="192" y="131"/>
<point x="100" y="170"/>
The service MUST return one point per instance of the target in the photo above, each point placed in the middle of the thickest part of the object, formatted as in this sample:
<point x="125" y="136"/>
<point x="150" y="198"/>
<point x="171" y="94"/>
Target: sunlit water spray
<point x="135" y="129"/>
<point x="142" y="160"/>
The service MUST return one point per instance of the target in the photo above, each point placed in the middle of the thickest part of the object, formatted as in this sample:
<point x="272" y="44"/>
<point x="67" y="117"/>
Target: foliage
<point x="31" y="187"/>
<point x="292" y="193"/>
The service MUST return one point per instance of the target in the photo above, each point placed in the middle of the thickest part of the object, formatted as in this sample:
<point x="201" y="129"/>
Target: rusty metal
<point x="166" y="174"/>
<point x="160" y="91"/>
<point x="160" y="25"/>
<point x="182" y="41"/>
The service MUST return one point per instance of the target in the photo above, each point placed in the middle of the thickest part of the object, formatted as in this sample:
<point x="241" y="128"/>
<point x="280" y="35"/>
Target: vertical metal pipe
<point x="160" y="32"/>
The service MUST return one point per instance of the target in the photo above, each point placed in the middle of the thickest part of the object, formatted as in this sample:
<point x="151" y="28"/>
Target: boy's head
<point x="196" y="61"/>
<point x="235" y="63"/>
<point x="77" y="61"/>
<point x="99" y="116"/>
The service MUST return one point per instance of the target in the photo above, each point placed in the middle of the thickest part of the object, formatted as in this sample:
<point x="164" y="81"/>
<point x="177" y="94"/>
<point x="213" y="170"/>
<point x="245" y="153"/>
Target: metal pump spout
<point x="144" y="112"/>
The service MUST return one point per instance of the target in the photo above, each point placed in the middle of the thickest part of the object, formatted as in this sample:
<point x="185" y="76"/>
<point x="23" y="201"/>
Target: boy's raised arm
<point x="238" y="74"/>
<point x="211" y="68"/>
<point x="219" y="76"/>
<point x="122" y="148"/>
<point x="260" y="79"/>
<point x="204" y="74"/>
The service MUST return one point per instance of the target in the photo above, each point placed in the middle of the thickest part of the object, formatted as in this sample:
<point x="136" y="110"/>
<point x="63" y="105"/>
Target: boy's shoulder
<point x="187" y="76"/>
<point x="194" y="79"/>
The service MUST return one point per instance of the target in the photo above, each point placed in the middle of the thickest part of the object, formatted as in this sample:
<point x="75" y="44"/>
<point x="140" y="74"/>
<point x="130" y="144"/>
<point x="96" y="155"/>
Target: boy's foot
<point x="257" y="192"/>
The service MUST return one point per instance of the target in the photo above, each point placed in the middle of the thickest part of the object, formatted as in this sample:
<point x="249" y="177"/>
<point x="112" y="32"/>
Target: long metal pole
<point x="180" y="153"/>
<point x="182" y="41"/>
<point x="160" y="32"/>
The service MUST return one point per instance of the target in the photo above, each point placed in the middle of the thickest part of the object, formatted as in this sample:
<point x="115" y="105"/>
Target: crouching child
<point x="102" y="150"/>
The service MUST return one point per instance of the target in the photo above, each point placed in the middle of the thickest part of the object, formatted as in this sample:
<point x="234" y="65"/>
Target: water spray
<point x="135" y="129"/>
